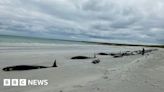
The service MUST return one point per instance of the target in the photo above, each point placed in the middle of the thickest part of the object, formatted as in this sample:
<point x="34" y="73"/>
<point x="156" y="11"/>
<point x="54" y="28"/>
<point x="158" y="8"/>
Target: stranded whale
<point x="96" y="61"/>
<point x="83" y="57"/>
<point x="26" y="67"/>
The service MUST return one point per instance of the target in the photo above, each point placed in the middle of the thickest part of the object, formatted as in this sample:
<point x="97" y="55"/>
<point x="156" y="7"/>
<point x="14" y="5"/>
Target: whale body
<point x="22" y="67"/>
<point x="26" y="67"/>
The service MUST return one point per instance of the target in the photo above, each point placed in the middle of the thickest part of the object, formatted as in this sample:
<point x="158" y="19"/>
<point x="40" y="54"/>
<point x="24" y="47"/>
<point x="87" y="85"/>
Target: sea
<point x="9" y="40"/>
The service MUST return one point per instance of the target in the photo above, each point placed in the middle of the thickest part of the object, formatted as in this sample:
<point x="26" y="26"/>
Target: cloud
<point x="122" y="21"/>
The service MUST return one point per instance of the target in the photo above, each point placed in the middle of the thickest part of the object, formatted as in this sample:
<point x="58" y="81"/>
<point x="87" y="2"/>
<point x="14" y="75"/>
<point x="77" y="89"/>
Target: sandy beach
<point x="134" y="73"/>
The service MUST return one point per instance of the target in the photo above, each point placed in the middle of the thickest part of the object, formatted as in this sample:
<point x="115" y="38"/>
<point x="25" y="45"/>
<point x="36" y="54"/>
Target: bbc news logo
<point x="24" y="82"/>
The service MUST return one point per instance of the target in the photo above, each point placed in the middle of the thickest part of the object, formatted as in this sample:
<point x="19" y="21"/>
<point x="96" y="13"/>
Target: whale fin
<point x="55" y="65"/>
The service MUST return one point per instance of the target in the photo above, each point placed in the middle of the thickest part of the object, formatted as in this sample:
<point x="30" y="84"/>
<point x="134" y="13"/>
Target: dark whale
<point x="96" y="61"/>
<point x="22" y="67"/>
<point x="26" y="67"/>
<point x="129" y="53"/>
<point x="102" y="53"/>
<point x="80" y="57"/>
<point x="83" y="57"/>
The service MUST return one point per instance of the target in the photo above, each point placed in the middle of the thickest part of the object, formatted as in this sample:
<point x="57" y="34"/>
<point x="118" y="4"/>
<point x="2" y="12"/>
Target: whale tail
<point x="55" y="65"/>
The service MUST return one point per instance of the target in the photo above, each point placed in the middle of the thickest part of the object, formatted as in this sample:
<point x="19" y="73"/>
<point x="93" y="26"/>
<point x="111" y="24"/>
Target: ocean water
<point x="16" y="44"/>
<point x="7" y="40"/>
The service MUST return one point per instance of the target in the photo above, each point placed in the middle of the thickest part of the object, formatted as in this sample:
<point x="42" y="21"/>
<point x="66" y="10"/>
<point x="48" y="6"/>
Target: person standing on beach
<point x="143" y="51"/>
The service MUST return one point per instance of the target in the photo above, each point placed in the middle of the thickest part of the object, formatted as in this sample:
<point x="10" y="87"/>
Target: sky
<point x="118" y="21"/>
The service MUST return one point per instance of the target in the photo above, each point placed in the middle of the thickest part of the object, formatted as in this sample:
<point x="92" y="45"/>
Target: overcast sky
<point x="119" y="21"/>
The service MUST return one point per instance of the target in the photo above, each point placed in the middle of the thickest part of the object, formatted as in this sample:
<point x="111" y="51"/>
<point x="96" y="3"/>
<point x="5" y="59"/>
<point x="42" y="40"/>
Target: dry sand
<point x="127" y="74"/>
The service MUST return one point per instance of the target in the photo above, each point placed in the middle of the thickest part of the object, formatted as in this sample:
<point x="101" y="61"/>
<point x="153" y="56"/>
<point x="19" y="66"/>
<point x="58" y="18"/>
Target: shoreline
<point x="52" y="40"/>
